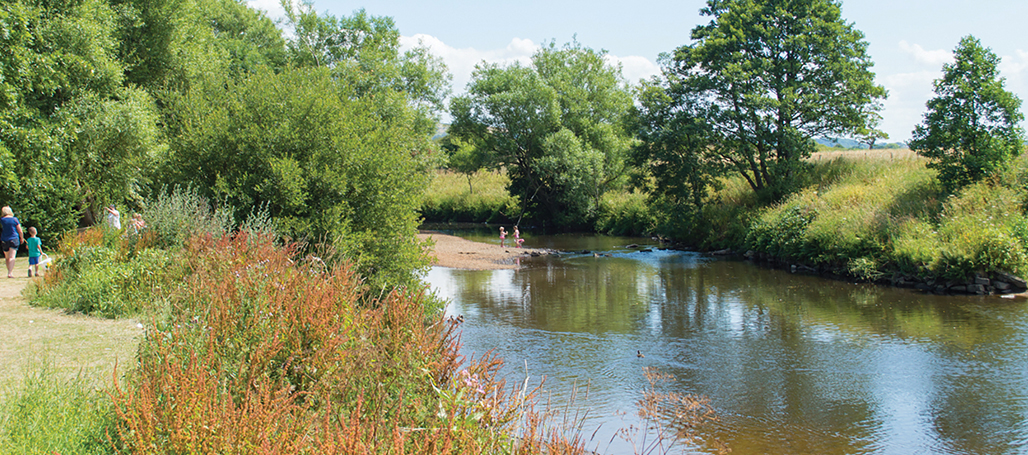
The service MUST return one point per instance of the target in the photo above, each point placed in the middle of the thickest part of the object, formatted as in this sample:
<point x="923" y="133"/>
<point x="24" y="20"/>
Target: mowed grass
<point x="76" y="345"/>
<point x="56" y="368"/>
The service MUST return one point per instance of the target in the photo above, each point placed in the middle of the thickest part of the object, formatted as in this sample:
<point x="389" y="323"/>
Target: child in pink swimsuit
<point x="503" y="235"/>
<point x="517" y="237"/>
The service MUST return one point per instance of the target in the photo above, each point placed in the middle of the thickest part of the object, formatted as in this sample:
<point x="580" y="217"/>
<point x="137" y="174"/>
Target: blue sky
<point x="909" y="40"/>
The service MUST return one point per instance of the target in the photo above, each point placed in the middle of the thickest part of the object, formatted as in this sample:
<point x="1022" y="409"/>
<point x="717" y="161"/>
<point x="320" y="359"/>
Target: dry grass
<point x="77" y="345"/>
<point x="877" y="154"/>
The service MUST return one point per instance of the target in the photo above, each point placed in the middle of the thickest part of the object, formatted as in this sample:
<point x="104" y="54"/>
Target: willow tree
<point x="762" y="79"/>
<point x="557" y="126"/>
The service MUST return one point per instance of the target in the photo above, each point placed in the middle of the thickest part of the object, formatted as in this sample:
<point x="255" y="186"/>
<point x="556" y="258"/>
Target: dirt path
<point x="455" y="252"/>
<point x="73" y="343"/>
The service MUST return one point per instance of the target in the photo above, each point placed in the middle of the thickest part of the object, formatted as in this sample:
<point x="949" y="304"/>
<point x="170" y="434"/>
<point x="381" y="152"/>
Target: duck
<point x="639" y="354"/>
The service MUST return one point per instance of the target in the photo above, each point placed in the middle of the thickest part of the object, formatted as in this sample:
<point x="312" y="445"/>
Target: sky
<point x="908" y="40"/>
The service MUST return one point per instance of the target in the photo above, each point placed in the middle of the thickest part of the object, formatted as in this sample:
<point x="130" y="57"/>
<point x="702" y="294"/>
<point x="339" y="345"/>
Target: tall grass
<point x="871" y="218"/>
<point x="50" y="414"/>
<point x="267" y="352"/>
<point x="450" y="198"/>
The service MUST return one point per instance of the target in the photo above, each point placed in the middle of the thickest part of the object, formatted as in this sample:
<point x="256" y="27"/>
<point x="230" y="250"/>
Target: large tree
<point x="334" y="146"/>
<point x="72" y="135"/>
<point x="763" y="78"/>
<point x="557" y="126"/>
<point x="971" y="127"/>
<point x="363" y="51"/>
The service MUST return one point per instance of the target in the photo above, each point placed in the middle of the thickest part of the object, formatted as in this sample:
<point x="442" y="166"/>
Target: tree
<point x="464" y="158"/>
<point x="677" y="173"/>
<point x="970" y="129"/>
<point x="364" y="51"/>
<point x="557" y="126"/>
<point x="328" y="165"/>
<point x="71" y="132"/>
<point x="766" y="76"/>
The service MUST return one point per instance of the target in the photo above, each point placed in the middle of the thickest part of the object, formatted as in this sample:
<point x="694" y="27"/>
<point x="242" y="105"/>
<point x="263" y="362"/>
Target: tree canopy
<point x="113" y="101"/>
<point x="760" y="80"/>
<point x="971" y="127"/>
<point x="557" y="127"/>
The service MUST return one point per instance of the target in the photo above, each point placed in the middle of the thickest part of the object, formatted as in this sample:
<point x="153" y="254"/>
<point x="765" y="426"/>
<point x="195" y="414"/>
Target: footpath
<point x="73" y="344"/>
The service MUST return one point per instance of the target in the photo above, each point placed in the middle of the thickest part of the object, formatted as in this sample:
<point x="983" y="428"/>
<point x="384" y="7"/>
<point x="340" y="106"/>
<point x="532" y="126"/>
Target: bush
<point x="175" y="216"/>
<point x="624" y="213"/>
<point x="103" y="281"/>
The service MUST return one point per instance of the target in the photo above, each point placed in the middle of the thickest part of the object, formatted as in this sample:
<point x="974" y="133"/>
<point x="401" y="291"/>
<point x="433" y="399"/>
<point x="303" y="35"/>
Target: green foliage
<point x="448" y="199"/>
<point x="624" y="213"/>
<point x="870" y="218"/>
<point x="50" y="414"/>
<point x="557" y="127"/>
<point x="779" y="232"/>
<point x="759" y="81"/>
<point x="363" y="52"/>
<point x="670" y="154"/>
<point x="175" y="216"/>
<point x="114" y="149"/>
<point x="971" y="128"/>
<point x="978" y="233"/>
<point x="326" y="163"/>
<point x="464" y="157"/>
<point x="61" y="88"/>
<point x="106" y="279"/>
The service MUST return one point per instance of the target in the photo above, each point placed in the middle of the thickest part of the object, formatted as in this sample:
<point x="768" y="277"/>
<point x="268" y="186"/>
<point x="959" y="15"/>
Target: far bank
<point x="877" y="217"/>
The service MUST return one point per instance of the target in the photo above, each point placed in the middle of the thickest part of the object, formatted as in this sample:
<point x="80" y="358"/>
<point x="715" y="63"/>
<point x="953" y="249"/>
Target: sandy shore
<point x="455" y="252"/>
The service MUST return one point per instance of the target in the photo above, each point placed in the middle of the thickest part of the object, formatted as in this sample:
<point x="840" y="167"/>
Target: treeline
<point x="327" y="128"/>
<point x="117" y="101"/>
<point x="740" y="107"/>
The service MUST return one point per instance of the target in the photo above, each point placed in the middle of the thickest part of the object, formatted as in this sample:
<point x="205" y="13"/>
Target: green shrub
<point x="175" y="216"/>
<point x="624" y="213"/>
<point x="915" y="246"/>
<point x="979" y="229"/>
<point x="780" y="231"/>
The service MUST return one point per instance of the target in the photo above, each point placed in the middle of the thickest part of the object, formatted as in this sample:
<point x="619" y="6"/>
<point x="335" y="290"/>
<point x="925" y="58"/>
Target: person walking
<point x="12" y="237"/>
<point x="35" y="251"/>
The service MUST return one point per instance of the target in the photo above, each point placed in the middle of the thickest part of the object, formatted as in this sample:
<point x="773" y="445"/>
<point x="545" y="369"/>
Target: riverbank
<point x="457" y="253"/>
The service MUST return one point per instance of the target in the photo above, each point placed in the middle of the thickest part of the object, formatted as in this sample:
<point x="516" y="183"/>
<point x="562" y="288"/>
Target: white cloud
<point x="272" y="7"/>
<point x="1015" y="69"/>
<point x="933" y="58"/>
<point x="461" y="62"/>
<point x="634" y="67"/>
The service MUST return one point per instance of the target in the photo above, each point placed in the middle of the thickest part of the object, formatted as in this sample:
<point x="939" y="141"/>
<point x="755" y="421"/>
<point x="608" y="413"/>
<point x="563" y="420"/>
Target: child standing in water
<point x="517" y="238"/>
<point x="35" y="251"/>
<point x="503" y="235"/>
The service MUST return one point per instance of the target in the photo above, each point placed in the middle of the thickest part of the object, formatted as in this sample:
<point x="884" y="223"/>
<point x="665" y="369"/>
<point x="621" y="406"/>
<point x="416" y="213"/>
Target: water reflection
<point x="793" y="364"/>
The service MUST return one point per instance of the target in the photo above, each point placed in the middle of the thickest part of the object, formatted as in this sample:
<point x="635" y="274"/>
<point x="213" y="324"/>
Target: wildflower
<point x="471" y="381"/>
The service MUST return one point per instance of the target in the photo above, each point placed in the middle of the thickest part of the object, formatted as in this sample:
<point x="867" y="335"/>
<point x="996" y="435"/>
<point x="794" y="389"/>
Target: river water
<point x="792" y="364"/>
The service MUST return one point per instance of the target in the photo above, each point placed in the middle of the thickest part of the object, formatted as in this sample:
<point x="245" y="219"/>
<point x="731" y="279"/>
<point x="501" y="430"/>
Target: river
<point x="792" y="364"/>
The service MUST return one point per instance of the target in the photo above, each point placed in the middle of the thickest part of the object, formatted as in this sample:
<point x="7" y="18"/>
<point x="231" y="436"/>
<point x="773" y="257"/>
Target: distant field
<point x="881" y="154"/>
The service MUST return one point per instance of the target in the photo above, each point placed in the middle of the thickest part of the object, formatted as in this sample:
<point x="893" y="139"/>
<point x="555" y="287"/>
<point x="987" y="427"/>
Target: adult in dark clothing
<point x="11" y="236"/>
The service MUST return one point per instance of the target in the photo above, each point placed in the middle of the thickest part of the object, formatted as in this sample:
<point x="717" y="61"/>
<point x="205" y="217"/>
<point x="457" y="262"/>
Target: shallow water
<point x="792" y="364"/>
